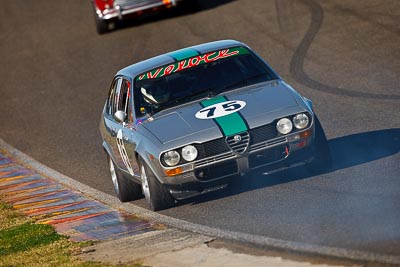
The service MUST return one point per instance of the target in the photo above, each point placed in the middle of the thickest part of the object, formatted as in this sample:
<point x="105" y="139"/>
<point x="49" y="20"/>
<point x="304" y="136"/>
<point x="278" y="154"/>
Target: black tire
<point x="104" y="26"/>
<point x="101" y="25"/>
<point x="125" y="189"/>
<point x="157" y="197"/>
<point x="191" y="6"/>
<point x="322" y="154"/>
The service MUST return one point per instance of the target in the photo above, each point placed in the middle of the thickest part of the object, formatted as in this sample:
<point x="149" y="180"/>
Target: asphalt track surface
<point x="55" y="72"/>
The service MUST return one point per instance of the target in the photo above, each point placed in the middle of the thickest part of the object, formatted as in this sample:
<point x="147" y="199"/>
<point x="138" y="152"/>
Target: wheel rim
<point x="114" y="177"/>
<point x="145" y="183"/>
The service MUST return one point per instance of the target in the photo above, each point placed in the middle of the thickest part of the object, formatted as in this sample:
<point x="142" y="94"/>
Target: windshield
<point x="198" y="77"/>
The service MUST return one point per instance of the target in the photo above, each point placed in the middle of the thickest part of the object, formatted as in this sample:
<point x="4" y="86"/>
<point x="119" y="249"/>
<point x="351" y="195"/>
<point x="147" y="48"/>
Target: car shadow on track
<point x="346" y="151"/>
<point x="191" y="7"/>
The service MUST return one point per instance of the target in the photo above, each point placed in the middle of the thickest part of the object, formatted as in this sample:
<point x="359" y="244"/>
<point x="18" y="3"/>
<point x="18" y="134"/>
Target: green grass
<point x="9" y="217"/>
<point x="26" y="236"/>
<point x="24" y="243"/>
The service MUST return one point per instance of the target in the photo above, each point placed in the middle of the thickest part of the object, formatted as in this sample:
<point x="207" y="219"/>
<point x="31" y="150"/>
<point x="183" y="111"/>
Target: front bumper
<point x="229" y="170"/>
<point x="215" y="172"/>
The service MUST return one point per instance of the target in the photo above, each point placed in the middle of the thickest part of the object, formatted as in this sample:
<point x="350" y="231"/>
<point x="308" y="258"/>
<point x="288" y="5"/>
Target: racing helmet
<point x="155" y="93"/>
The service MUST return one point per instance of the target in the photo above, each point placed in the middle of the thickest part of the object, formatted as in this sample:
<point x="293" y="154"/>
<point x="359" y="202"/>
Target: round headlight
<point x="300" y="121"/>
<point x="284" y="126"/>
<point x="171" y="158"/>
<point x="189" y="153"/>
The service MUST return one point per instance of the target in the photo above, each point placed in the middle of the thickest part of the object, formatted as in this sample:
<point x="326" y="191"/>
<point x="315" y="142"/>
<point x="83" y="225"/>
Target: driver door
<point x="125" y="146"/>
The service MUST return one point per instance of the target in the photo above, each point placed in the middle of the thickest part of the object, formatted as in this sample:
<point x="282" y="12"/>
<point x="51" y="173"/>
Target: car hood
<point x="263" y="104"/>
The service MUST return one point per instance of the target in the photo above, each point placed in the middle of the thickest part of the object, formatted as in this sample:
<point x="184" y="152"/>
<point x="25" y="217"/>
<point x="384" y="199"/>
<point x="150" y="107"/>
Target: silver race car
<point x="186" y="122"/>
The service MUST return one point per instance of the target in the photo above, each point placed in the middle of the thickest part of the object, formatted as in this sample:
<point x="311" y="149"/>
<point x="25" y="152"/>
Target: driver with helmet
<point x="155" y="94"/>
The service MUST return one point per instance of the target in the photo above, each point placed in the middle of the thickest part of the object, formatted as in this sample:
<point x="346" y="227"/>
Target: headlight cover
<point x="284" y="126"/>
<point x="300" y="121"/>
<point x="171" y="158"/>
<point x="189" y="153"/>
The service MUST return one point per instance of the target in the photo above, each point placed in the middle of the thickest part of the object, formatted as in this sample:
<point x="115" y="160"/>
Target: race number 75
<point x="220" y="109"/>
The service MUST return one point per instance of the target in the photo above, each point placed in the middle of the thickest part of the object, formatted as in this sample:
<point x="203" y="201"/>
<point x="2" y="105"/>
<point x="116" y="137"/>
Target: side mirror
<point x="120" y="116"/>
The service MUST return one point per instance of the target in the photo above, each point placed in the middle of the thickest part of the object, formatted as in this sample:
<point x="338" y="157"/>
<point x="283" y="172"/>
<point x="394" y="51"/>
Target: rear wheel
<point x="125" y="189"/>
<point x="322" y="154"/>
<point x="157" y="197"/>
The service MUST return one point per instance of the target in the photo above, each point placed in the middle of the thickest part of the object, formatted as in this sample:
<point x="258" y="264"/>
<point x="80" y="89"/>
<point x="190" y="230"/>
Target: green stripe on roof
<point x="184" y="53"/>
<point x="230" y="124"/>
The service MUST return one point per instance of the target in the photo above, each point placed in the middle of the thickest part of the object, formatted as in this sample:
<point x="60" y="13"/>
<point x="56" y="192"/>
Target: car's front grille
<point x="239" y="142"/>
<point x="269" y="143"/>
<point x="214" y="159"/>
<point x="212" y="151"/>
<point x="263" y="133"/>
<point x="222" y="149"/>
<point x="212" y="148"/>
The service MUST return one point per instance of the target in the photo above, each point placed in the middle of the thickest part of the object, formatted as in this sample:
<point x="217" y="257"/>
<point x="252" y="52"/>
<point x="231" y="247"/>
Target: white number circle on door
<point x="220" y="109"/>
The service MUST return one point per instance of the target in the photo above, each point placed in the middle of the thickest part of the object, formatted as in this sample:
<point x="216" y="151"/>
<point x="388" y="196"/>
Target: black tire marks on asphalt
<point x="297" y="61"/>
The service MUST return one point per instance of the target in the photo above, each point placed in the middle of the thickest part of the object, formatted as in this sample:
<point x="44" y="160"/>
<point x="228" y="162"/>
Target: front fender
<point x="148" y="152"/>
<point x="308" y="103"/>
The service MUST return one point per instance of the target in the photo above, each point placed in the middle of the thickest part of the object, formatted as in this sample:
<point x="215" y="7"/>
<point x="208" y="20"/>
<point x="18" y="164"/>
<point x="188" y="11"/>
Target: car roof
<point x="171" y="57"/>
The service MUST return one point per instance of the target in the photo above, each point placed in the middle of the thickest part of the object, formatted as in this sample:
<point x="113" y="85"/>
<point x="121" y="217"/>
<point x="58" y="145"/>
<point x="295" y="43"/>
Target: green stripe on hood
<point x="230" y="124"/>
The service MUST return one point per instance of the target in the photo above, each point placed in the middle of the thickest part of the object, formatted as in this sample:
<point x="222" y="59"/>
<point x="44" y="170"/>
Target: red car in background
<point x="108" y="12"/>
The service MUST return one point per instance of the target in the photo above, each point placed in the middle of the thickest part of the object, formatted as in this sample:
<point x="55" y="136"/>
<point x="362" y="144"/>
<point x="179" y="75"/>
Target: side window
<point x="112" y="97"/>
<point x="123" y="98"/>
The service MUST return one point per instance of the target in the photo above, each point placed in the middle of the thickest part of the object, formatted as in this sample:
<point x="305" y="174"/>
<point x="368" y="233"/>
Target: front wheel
<point x="157" y="197"/>
<point x="126" y="190"/>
